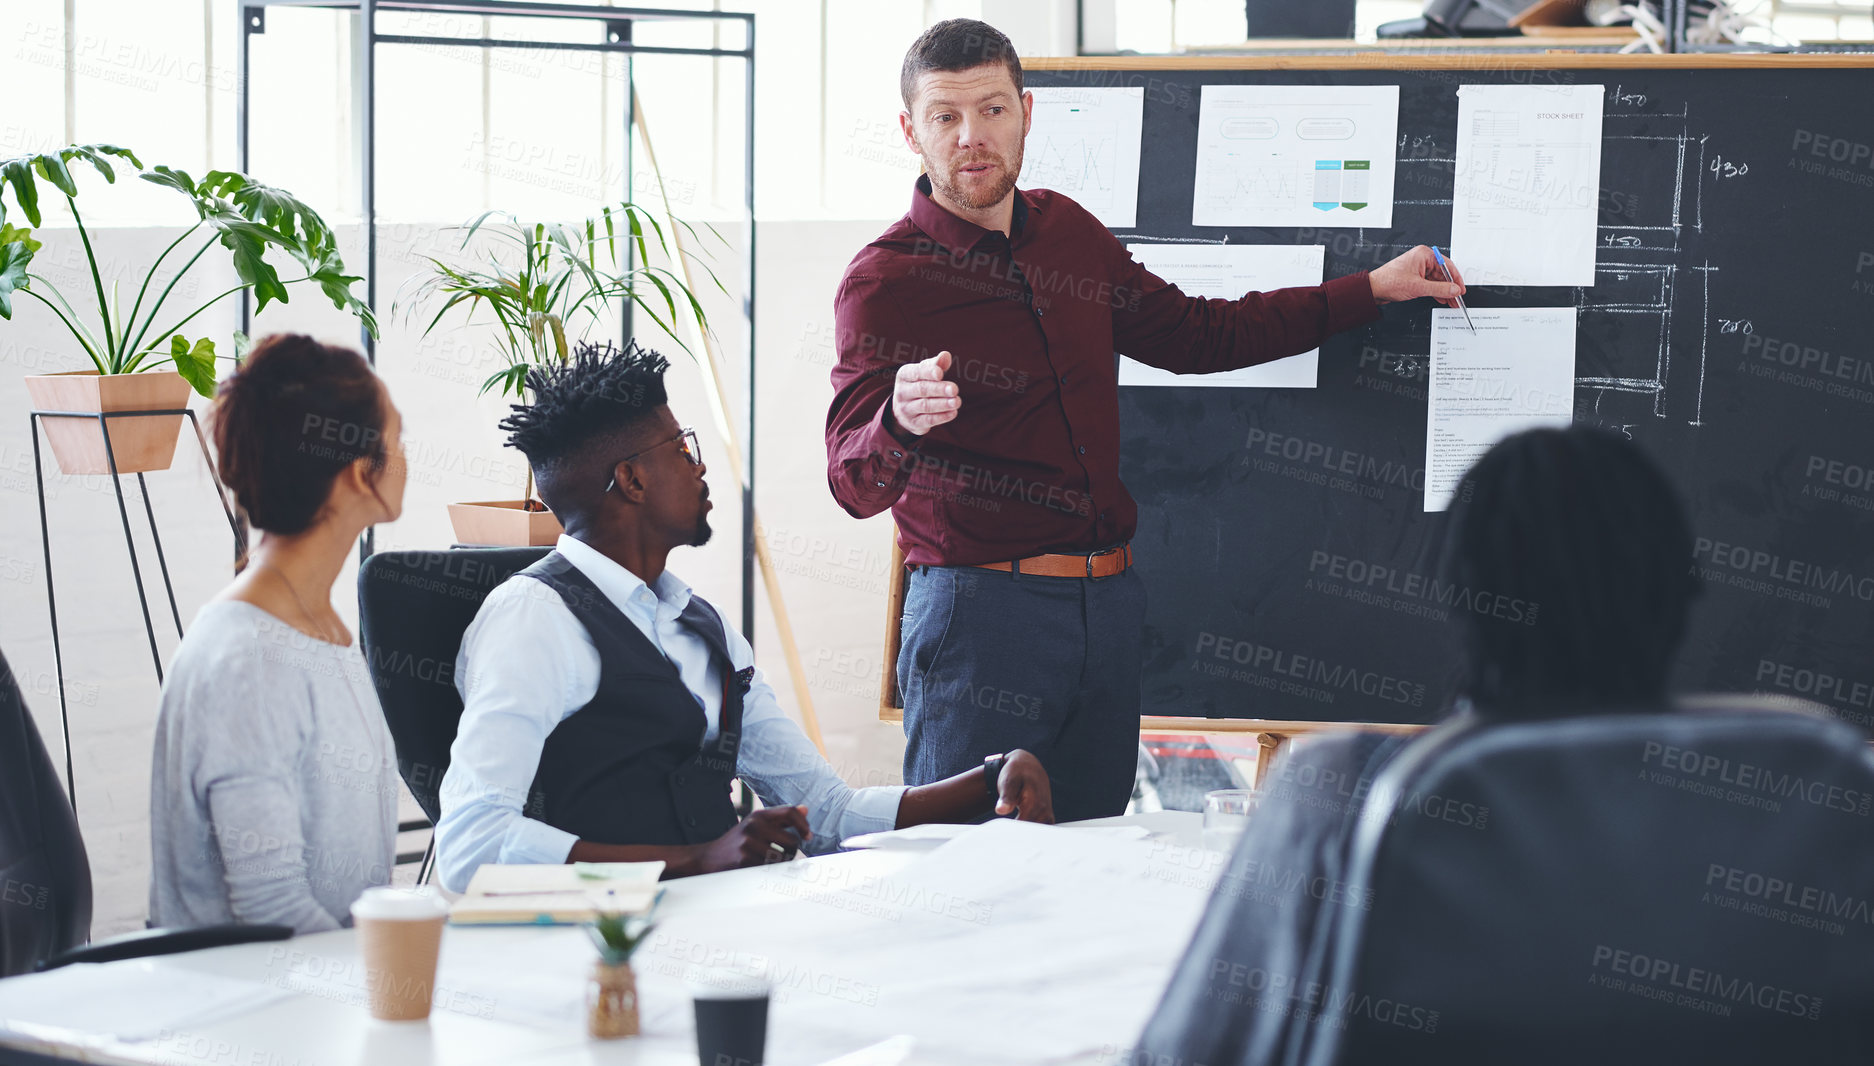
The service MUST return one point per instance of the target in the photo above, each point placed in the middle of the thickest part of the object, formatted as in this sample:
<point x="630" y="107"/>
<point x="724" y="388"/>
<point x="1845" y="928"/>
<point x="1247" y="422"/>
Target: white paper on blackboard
<point x="1526" y="199"/>
<point x="1226" y="272"/>
<point x="1516" y="371"/>
<point x="1295" y="155"/>
<point x="1085" y="143"/>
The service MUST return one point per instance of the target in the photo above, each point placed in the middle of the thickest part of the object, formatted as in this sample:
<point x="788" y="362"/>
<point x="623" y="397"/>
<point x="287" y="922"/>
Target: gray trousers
<point x="990" y="661"/>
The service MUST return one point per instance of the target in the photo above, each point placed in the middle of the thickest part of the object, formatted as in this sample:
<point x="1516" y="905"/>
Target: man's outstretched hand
<point x="1416" y="274"/>
<point x="921" y="400"/>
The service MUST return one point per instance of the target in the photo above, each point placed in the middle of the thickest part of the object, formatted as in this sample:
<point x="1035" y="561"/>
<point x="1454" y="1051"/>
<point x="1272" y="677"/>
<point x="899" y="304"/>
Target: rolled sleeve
<point x="786" y="769"/>
<point x="1350" y="302"/>
<point x="523" y="666"/>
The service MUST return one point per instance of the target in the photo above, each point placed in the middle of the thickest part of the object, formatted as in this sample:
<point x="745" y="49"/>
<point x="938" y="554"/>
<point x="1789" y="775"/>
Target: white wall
<point x="833" y="568"/>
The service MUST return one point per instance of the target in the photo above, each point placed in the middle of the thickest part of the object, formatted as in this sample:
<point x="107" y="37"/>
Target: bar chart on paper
<point x="1274" y="155"/>
<point x="1085" y="143"/>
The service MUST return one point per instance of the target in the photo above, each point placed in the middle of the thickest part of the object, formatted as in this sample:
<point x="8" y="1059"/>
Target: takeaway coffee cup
<point x="731" y="1020"/>
<point x="400" y="934"/>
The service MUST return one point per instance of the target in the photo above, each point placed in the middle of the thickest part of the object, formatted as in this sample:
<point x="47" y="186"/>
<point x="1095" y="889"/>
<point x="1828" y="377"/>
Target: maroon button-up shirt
<point x="1031" y="462"/>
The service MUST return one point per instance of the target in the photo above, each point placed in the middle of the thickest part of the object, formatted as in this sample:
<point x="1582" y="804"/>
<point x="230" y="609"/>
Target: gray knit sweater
<point x="273" y="794"/>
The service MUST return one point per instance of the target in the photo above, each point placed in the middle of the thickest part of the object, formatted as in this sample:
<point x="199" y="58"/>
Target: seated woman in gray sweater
<point x="273" y="797"/>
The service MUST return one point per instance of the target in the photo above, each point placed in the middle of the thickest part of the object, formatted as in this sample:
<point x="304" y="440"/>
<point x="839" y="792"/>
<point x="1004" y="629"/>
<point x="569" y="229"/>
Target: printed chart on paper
<point x="1085" y="143"/>
<point x="1281" y="155"/>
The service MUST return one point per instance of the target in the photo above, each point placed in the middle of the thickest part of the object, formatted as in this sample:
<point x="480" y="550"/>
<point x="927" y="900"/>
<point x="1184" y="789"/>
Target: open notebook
<point x="556" y="895"/>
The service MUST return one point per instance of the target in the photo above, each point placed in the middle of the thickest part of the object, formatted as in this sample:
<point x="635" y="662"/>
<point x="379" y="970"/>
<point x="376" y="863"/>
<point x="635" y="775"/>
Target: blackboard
<point x="1730" y="332"/>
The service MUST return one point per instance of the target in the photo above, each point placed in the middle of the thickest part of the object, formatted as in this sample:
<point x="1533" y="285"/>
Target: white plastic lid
<point x="400" y="904"/>
<point x="725" y="983"/>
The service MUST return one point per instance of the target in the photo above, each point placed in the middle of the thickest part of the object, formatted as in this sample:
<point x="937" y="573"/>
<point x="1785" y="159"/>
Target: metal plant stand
<point x="136" y="568"/>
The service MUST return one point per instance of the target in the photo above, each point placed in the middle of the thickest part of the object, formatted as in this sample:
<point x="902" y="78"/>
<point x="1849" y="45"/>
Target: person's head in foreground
<point x="609" y="457"/>
<point x="1586" y="532"/>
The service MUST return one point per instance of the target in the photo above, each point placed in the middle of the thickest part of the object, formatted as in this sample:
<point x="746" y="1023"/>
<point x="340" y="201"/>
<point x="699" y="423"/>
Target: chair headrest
<point x="413" y="607"/>
<point x="1643" y="874"/>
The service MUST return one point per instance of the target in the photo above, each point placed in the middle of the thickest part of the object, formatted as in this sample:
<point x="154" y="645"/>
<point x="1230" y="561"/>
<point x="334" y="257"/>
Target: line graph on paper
<point x="1076" y="158"/>
<point x="1084" y="143"/>
<point x="1271" y="183"/>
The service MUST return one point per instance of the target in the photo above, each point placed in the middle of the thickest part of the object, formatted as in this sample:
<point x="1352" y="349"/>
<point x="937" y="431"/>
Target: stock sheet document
<point x="1226" y="272"/>
<point x="1516" y="372"/>
<point x="1526" y="200"/>
<point x="1296" y="155"/>
<point x="1085" y="143"/>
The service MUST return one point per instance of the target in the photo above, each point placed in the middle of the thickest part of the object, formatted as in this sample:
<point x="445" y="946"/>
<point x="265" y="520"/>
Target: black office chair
<point x="413" y="607"/>
<point x="45" y="877"/>
<point x="1606" y="890"/>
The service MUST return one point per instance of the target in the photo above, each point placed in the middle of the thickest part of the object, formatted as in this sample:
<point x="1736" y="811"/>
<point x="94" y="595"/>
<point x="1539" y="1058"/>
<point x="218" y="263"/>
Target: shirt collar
<point x="620" y="585"/>
<point x="954" y="233"/>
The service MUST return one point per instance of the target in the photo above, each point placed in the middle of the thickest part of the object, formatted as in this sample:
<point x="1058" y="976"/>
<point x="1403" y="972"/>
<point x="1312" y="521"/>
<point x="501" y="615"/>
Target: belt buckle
<point x="1094" y="555"/>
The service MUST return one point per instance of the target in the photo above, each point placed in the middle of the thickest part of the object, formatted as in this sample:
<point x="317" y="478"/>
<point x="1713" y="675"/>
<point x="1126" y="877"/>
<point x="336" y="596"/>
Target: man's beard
<point x="996" y="193"/>
<point x="700" y="536"/>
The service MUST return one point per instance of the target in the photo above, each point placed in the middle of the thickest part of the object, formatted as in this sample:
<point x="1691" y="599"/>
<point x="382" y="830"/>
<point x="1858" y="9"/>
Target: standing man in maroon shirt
<point x="977" y="397"/>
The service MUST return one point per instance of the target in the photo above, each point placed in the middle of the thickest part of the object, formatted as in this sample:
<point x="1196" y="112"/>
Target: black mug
<point x="731" y="1026"/>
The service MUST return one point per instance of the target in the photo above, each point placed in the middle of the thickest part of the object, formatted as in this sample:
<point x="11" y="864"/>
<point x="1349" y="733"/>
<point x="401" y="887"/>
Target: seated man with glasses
<point x="607" y="709"/>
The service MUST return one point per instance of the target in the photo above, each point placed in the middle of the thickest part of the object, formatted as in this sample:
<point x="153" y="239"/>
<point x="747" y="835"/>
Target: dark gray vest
<point x="630" y="767"/>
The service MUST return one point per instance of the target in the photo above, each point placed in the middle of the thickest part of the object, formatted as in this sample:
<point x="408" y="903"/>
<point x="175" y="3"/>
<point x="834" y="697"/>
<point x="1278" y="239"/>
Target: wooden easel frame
<point x="1273" y="734"/>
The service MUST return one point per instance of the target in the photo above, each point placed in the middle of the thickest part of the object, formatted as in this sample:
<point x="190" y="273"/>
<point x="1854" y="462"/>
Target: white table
<point x="513" y="995"/>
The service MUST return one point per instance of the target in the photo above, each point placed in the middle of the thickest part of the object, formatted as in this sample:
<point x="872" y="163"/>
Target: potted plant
<point x="547" y="284"/>
<point x="612" y="995"/>
<point x="127" y="349"/>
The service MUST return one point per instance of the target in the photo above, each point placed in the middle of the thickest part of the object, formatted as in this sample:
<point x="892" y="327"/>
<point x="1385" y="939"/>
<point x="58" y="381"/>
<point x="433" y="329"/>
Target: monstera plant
<point x="146" y="357"/>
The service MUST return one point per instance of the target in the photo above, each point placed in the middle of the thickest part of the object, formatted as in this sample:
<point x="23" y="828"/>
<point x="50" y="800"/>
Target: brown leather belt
<point x="1092" y="564"/>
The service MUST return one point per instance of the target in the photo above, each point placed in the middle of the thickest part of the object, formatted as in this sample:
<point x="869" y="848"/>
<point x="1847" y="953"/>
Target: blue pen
<point x="1446" y="267"/>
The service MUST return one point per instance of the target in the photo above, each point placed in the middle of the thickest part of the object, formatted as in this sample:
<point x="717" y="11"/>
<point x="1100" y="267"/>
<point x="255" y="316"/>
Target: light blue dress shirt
<point x="527" y="663"/>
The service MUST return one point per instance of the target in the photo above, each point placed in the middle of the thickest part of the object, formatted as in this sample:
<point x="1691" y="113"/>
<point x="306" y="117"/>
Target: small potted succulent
<point x="612" y="995"/>
<point x="546" y="285"/>
<point x="128" y="350"/>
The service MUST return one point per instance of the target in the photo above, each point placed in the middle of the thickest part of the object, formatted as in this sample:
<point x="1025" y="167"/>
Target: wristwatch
<point x="992" y="775"/>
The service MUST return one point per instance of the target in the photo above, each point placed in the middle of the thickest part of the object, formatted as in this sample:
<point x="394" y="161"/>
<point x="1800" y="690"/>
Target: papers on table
<point x="935" y="834"/>
<point x="913" y="838"/>
<point x="1527" y="193"/>
<point x="1227" y="271"/>
<point x="129" y="1000"/>
<point x="1099" y="923"/>
<point x="541" y="894"/>
<point x="1291" y="155"/>
<point x="1516" y="372"/>
<point x="1085" y="143"/>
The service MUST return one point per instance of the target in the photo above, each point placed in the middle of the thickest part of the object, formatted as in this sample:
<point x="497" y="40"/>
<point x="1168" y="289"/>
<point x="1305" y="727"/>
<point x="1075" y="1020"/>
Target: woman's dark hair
<point x="956" y="45"/>
<point x="1583" y="542"/>
<point x="289" y="421"/>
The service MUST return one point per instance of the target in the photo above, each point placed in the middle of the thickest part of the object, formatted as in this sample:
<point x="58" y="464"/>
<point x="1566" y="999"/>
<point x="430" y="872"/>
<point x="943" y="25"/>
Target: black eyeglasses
<point x="691" y="451"/>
